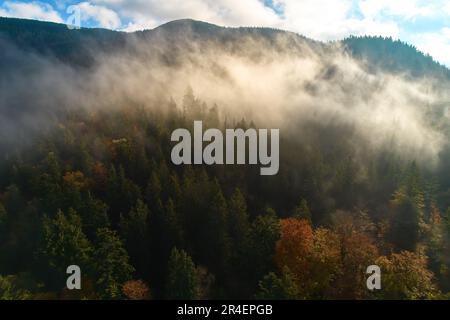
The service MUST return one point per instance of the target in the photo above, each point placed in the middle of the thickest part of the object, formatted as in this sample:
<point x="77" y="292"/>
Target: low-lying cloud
<point x="274" y="84"/>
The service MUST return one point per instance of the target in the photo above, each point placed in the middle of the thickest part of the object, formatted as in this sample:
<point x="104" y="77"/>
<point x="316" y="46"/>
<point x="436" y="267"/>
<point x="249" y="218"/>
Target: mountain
<point x="56" y="39"/>
<point x="88" y="118"/>
<point x="394" y="56"/>
<point x="79" y="46"/>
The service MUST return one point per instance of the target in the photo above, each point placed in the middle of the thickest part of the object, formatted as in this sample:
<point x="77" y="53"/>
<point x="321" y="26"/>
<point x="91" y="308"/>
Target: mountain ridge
<point x="57" y="39"/>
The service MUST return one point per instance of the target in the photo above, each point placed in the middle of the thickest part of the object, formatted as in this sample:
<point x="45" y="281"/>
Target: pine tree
<point x="94" y="214"/>
<point x="173" y="224"/>
<point x="215" y="232"/>
<point x="135" y="231"/>
<point x="302" y="211"/>
<point x="63" y="244"/>
<point x="112" y="265"/>
<point x="239" y="226"/>
<point x="264" y="233"/>
<point x="3" y="220"/>
<point x="13" y="288"/>
<point x="273" y="287"/>
<point x="406" y="222"/>
<point x="182" y="280"/>
<point x="153" y="190"/>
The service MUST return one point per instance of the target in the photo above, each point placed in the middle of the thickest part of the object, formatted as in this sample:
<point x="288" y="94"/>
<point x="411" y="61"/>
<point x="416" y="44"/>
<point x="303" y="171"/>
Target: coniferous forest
<point x="87" y="178"/>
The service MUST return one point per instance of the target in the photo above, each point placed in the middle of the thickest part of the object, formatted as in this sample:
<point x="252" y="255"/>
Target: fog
<point x="301" y="87"/>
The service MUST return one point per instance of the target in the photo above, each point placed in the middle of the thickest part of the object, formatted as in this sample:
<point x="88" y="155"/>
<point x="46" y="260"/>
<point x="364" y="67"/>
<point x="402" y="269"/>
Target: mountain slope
<point x="80" y="46"/>
<point x="394" y="56"/>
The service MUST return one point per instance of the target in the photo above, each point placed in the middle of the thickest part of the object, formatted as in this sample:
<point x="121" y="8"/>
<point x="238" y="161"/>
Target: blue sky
<point x="426" y="24"/>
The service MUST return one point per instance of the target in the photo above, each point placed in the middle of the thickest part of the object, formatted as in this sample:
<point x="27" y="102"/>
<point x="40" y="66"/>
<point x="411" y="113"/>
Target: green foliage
<point x="405" y="276"/>
<point x="63" y="244"/>
<point x="182" y="282"/>
<point x="264" y="233"/>
<point x="94" y="214"/>
<point x="239" y="226"/>
<point x="406" y="222"/>
<point x="407" y="225"/>
<point x="12" y="288"/>
<point x="134" y="229"/>
<point x="66" y="201"/>
<point x="3" y="219"/>
<point x="396" y="56"/>
<point x="447" y="222"/>
<point x="302" y="211"/>
<point x="272" y="287"/>
<point x="112" y="264"/>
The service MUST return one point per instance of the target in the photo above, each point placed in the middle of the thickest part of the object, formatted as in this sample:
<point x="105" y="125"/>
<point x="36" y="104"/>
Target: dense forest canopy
<point x="86" y="178"/>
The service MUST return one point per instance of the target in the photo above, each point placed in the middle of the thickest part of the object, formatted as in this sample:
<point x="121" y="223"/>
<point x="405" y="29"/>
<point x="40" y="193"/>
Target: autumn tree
<point x="405" y="276"/>
<point x="136" y="290"/>
<point x="295" y="246"/>
<point x="357" y="252"/>
<point x="325" y="264"/>
<point x="312" y="256"/>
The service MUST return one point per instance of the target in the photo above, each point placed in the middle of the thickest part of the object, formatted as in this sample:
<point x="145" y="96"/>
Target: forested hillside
<point x="86" y="176"/>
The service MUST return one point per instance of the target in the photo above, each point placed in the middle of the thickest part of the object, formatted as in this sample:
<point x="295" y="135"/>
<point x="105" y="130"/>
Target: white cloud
<point x="146" y="24"/>
<point x="318" y="19"/>
<point x="331" y="20"/>
<point x="105" y="17"/>
<point x="151" y="13"/>
<point x="435" y="44"/>
<point x="30" y="10"/>
<point x="405" y="9"/>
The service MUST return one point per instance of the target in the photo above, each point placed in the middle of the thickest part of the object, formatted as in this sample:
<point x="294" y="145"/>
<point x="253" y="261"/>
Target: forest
<point x="102" y="193"/>
<point x="95" y="187"/>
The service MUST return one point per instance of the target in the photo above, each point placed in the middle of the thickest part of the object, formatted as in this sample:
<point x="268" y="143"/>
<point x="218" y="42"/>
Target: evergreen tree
<point x="272" y="287"/>
<point x="63" y="244"/>
<point x="112" y="265"/>
<point x="406" y="222"/>
<point x="136" y="232"/>
<point x="217" y="253"/>
<point x="3" y="221"/>
<point x="264" y="233"/>
<point x="239" y="226"/>
<point x="173" y="224"/>
<point x="302" y="211"/>
<point x="182" y="280"/>
<point x="13" y="288"/>
<point x="94" y="214"/>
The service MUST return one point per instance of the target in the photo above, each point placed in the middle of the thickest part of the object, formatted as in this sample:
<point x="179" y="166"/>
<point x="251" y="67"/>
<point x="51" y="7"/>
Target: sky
<point x="423" y="23"/>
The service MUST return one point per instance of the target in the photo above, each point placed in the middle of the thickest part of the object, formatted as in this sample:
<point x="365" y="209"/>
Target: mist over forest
<point x="85" y="171"/>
